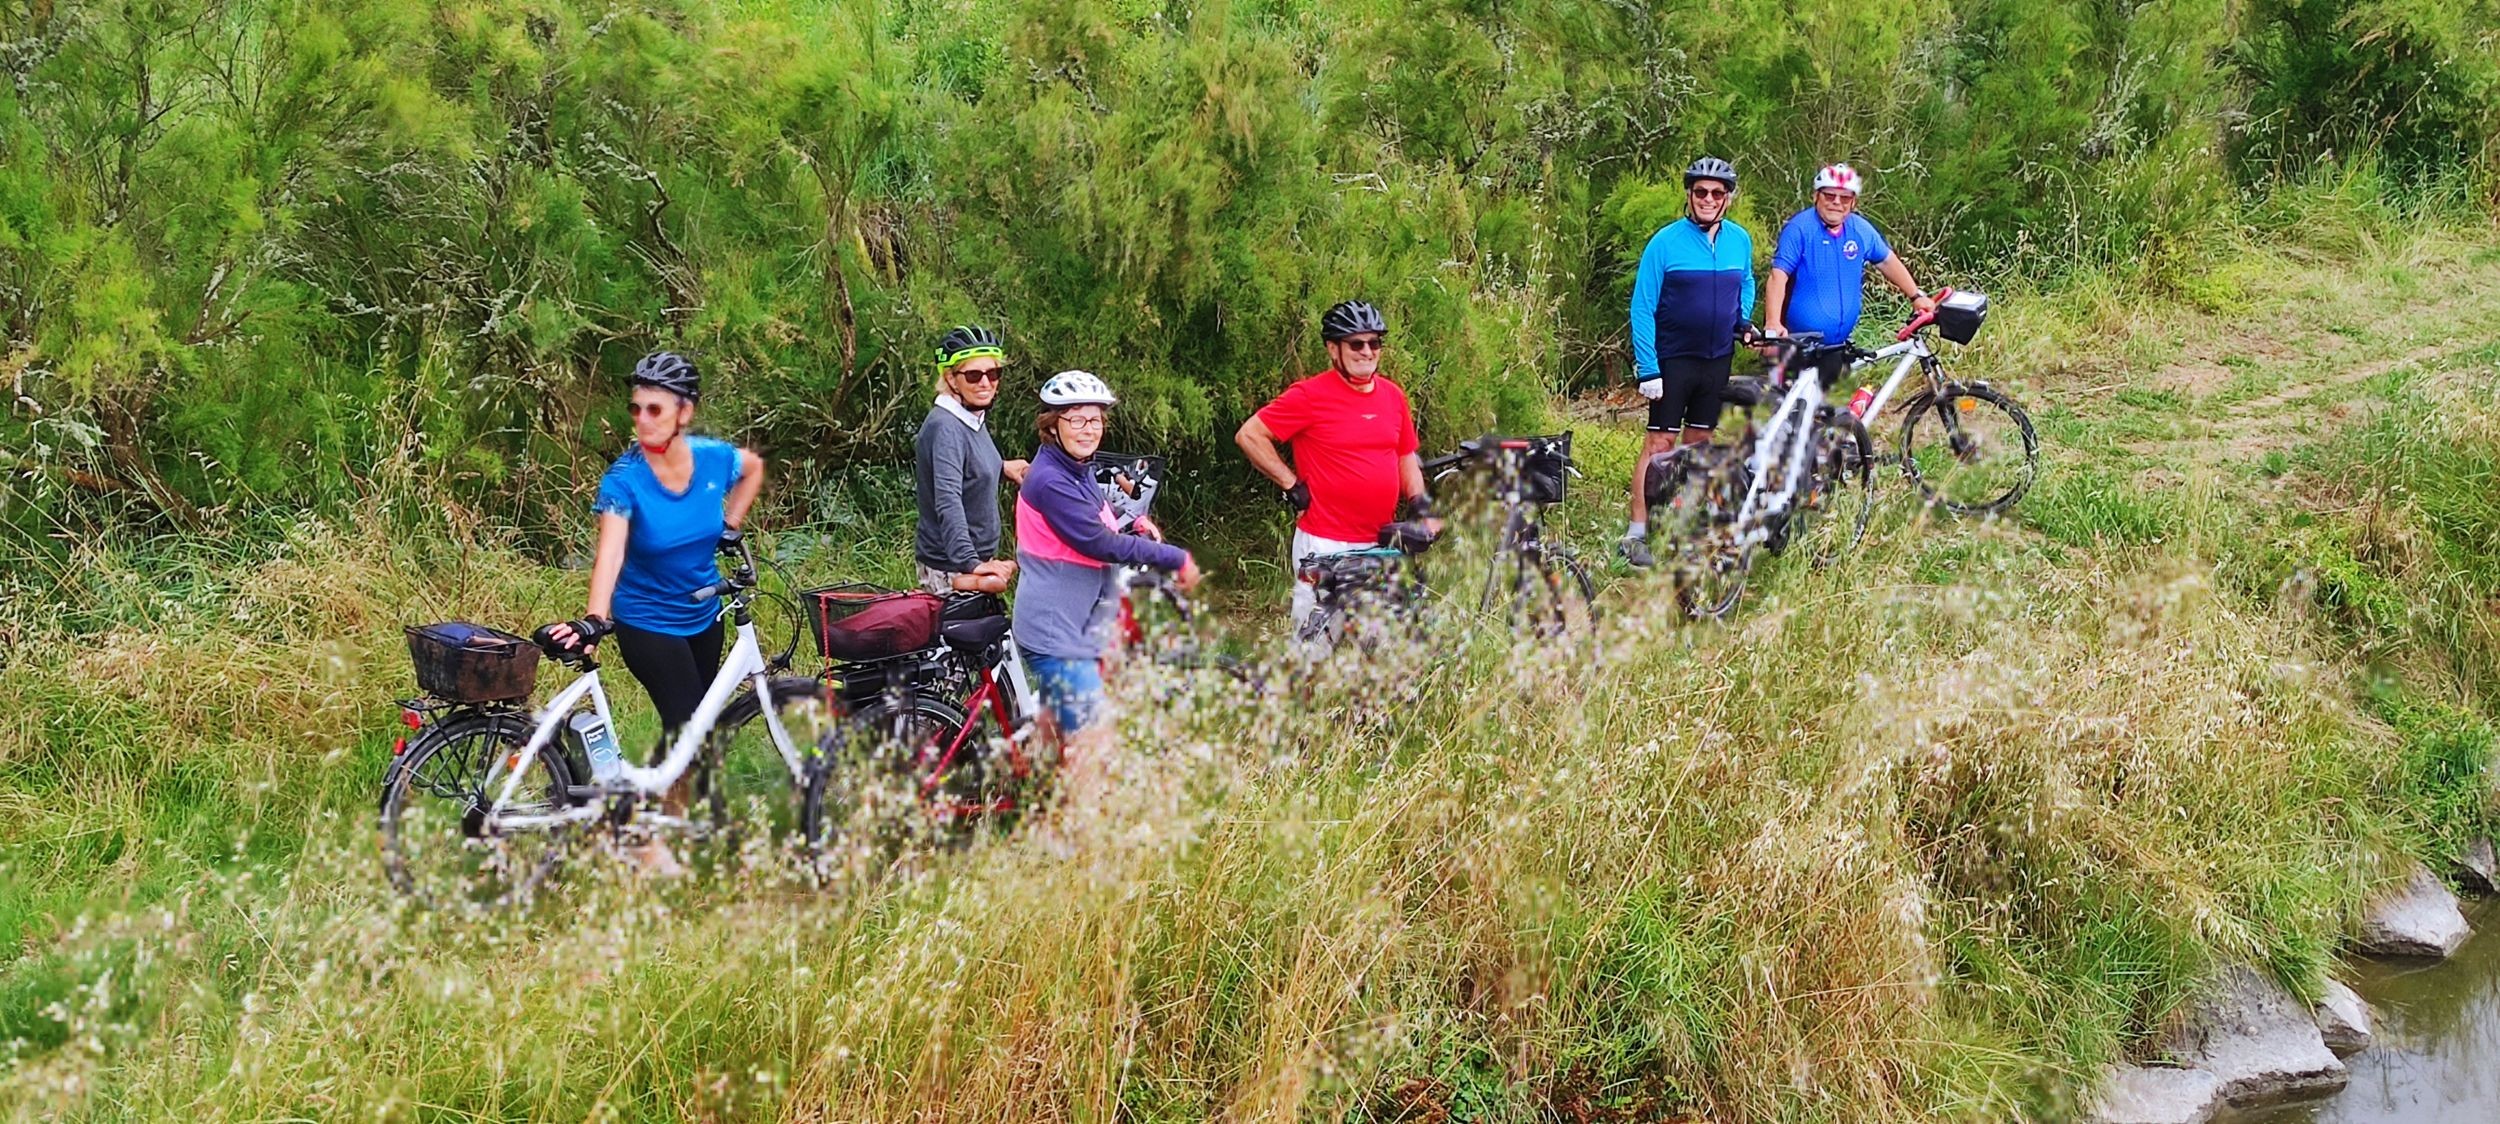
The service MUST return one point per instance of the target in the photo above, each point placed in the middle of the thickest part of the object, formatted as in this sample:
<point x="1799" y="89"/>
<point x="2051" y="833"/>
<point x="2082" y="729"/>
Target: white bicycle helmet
<point x="1839" y="177"/>
<point x="1077" y="388"/>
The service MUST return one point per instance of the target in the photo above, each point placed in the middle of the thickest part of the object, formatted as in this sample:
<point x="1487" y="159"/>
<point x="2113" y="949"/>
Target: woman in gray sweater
<point x="956" y="470"/>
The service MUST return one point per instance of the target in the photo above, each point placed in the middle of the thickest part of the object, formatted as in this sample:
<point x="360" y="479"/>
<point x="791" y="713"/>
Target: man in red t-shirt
<point x="1353" y="438"/>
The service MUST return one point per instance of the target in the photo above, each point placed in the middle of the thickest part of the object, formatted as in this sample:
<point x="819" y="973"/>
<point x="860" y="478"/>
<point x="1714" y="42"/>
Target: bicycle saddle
<point x="1742" y="390"/>
<point x="978" y="632"/>
<point x="973" y="620"/>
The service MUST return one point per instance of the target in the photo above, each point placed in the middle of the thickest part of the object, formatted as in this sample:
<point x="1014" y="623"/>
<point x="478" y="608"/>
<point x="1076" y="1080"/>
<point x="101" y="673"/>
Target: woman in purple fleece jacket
<point x="1069" y="555"/>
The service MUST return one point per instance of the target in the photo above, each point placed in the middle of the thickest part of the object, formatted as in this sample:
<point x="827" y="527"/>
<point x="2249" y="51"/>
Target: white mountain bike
<point x="1968" y="447"/>
<point x="1805" y="474"/>
<point x="482" y="801"/>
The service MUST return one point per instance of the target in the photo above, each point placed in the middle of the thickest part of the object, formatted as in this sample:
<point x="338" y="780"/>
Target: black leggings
<point x="674" y="670"/>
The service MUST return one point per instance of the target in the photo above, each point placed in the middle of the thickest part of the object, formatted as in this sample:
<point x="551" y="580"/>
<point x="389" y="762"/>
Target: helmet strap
<point x="651" y="450"/>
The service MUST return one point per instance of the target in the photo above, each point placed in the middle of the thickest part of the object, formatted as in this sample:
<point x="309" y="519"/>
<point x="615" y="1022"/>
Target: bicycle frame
<point x="1790" y="439"/>
<point x="1914" y="353"/>
<point x="744" y="664"/>
<point x="992" y="698"/>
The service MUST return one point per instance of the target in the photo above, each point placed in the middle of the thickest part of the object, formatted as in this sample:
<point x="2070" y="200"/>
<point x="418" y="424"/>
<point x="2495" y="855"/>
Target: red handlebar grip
<point x="1922" y="319"/>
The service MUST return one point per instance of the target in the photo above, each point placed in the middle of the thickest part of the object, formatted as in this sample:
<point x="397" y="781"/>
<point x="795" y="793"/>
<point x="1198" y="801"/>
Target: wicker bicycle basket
<point x="472" y="663"/>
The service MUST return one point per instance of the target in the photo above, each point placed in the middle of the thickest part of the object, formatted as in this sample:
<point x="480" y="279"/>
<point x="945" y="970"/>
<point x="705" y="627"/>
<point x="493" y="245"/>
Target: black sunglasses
<point x="991" y="375"/>
<point x="1375" y="343"/>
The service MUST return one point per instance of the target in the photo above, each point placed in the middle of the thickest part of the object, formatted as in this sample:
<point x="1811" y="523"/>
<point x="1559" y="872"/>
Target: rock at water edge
<point x="2479" y="867"/>
<point x="2136" y="1094"/>
<point x="2419" y="919"/>
<point x="2260" y="1044"/>
<point x="2343" y="1020"/>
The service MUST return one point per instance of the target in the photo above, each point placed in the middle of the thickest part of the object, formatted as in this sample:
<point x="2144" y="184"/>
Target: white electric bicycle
<point x="483" y="799"/>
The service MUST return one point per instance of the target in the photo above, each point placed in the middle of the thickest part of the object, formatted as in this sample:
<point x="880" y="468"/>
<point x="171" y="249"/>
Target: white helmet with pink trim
<point x="1839" y="177"/>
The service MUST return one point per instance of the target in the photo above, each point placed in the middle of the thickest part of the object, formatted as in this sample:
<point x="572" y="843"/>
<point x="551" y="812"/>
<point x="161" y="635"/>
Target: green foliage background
<point x="266" y="255"/>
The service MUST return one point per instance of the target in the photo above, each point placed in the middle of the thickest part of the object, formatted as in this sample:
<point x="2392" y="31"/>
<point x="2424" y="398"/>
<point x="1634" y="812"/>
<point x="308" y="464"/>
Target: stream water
<point x="2437" y="1056"/>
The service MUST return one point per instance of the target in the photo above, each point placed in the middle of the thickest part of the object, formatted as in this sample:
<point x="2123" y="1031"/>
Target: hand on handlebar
<point x="1772" y="330"/>
<point x="582" y="635"/>
<point x="1189" y="576"/>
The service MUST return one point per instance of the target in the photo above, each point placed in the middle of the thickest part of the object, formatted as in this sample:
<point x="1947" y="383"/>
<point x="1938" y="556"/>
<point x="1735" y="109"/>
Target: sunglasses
<point x="1375" y="343"/>
<point x="648" y="409"/>
<point x="1707" y="192"/>
<point x="1830" y="196"/>
<point x="991" y="375"/>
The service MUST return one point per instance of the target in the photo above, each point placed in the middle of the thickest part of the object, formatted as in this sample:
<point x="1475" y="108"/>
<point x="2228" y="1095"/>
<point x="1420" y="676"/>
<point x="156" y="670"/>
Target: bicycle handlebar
<point x="740" y="579"/>
<point x="1922" y="319"/>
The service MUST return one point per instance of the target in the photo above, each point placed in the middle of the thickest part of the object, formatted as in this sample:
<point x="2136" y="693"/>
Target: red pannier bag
<point x="860" y="623"/>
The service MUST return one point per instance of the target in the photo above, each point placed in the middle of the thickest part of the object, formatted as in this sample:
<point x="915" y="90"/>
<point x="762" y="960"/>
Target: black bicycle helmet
<point x="968" y="341"/>
<point x="671" y="372"/>
<point x="1351" y="318"/>
<point x="1711" y="168"/>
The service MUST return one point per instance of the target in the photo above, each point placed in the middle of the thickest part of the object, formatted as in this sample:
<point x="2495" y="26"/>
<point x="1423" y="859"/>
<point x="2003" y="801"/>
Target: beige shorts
<point x="940" y="582"/>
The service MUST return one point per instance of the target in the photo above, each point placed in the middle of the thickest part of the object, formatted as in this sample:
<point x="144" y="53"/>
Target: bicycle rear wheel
<point x="742" y="789"/>
<point x="1831" y="518"/>
<point x="1969" y="448"/>
<point x="436" y="845"/>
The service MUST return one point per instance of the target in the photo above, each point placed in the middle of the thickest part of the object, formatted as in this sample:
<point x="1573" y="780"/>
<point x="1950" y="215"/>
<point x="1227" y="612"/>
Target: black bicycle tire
<point x="1690" y="548"/>
<point x="1918" y="407"/>
<point x="1852" y="427"/>
<point x="743" y="709"/>
<point x="815" y="827"/>
<point x="509" y="728"/>
<point x="1570" y="564"/>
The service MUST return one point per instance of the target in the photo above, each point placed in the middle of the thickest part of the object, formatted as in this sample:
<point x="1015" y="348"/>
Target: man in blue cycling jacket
<point x="1695" y="282"/>
<point x="1818" y="269"/>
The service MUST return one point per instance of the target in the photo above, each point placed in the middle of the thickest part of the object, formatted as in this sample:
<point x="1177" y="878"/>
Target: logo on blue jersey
<point x="1849" y="249"/>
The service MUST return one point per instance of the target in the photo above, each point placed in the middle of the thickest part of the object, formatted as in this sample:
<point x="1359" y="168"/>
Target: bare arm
<point x="1411" y="476"/>
<point x="742" y="497"/>
<point x="607" y="561"/>
<point x="1898" y="273"/>
<point x="1258" y="444"/>
<point x="1775" y="303"/>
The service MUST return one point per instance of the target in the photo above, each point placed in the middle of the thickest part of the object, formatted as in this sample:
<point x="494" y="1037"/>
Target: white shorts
<point x="1306" y="544"/>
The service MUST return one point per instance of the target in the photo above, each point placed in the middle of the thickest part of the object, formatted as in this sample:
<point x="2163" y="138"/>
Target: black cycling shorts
<point x="1692" y="394"/>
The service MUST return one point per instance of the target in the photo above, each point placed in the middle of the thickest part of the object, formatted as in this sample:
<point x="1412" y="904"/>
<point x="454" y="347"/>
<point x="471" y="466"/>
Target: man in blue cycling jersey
<point x="1818" y="270"/>
<point x="1694" y="284"/>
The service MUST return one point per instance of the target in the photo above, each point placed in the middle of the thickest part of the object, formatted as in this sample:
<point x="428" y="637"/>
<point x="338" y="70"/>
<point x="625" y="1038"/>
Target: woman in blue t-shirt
<point x="664" y="508"/>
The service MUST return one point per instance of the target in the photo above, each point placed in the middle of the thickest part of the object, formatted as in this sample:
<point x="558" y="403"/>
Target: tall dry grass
<point x="1923" y="837"/>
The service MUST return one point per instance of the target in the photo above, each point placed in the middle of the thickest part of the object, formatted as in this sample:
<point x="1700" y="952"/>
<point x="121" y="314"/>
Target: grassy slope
<point x="1924" y="837"/>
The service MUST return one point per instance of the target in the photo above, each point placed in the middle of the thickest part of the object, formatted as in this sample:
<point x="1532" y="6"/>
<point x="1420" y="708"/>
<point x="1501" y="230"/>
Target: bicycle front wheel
<point x="1970" y="449"/>
<point x="437" y="845"/>
<point x="742" y="787"/>
<point x="878" y="783"/>
<point x="1693" y="493"/>
<point x="1542" y="591"/>
<point x="1831" y="518"/>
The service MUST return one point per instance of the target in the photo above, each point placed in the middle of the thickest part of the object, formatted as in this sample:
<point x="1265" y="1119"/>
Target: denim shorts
<point x="1070" y="688"/>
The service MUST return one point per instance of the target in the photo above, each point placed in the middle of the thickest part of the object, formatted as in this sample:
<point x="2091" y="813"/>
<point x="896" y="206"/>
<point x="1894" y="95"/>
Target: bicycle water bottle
<point x="1861" y="400"/>
<point x="600" y="743"/>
